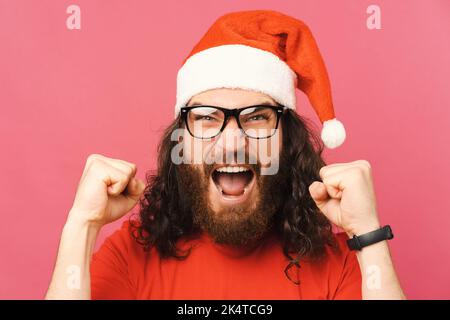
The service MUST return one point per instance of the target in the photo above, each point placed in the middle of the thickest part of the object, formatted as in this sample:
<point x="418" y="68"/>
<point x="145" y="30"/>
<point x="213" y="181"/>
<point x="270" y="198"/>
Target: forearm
<point x="379" y="279"/>
<point x="71" y="276"/>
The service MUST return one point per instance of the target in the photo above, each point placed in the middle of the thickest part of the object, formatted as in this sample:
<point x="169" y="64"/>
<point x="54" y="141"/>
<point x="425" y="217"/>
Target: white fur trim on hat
<point x="236" y="66"/>
<point x="333" y="133"/>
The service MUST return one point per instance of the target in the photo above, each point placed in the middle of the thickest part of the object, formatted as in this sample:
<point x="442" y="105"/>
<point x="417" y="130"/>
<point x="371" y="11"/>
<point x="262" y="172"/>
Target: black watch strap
<point x="359" y="242"/>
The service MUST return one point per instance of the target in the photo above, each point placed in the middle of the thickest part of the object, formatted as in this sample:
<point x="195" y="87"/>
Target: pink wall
<point x="109" y="88"/>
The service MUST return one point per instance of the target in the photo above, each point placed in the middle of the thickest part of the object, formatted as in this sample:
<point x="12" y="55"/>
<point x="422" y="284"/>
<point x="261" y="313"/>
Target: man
<point x="242" y="204"/>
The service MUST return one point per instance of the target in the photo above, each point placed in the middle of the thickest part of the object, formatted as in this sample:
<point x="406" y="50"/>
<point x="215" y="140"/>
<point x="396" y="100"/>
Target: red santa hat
<point x="265" y="51"/>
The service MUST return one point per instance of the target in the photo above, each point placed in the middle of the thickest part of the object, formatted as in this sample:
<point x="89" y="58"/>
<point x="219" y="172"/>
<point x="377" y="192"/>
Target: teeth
<point x="232" y="169"/>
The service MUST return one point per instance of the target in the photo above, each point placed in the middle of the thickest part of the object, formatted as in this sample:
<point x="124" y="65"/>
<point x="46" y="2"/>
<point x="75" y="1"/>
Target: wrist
<point x="76" y="221"/>
<point x="364" y="228"/>
<point x="76" y="236"/>
<point x="79" y="218"/>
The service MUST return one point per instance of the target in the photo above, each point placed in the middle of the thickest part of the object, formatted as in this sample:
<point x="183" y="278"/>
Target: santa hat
<point x="264" y="51"/>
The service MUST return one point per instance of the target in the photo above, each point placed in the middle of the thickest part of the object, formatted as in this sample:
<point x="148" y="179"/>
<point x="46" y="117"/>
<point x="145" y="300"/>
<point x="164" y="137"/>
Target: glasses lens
<point x="258" y="122"/>
<point x="205" y="122"/>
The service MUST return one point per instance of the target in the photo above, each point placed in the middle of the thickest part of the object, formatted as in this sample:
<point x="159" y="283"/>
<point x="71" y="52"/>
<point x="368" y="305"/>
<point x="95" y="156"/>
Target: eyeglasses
<point x="292" y="273"/>
<point x="257" y="122"/>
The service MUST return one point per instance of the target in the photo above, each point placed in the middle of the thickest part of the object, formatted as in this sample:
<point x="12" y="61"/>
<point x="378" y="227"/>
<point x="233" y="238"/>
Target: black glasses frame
<point x="232" y="113"/>
<point x="292" y="263"/>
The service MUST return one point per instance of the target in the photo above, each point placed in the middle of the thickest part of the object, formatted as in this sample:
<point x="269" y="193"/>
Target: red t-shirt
<point x="121" y="269"/>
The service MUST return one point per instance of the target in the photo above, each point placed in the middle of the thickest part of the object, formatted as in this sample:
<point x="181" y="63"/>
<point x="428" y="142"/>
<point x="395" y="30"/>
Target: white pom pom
<point x="333" y="133"/>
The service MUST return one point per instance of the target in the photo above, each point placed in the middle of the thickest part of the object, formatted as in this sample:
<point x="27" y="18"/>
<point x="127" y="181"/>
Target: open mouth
<point x="233" y="181"/>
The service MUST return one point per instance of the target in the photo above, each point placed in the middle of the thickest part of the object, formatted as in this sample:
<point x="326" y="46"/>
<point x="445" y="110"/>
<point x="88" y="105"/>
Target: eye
<point x="205" y="114"/>
<point x="258" y="117"/>
<point x="203" y="118"/>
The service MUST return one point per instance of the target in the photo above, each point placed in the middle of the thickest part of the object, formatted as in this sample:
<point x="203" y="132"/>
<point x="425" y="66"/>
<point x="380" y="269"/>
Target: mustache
<point x="255" y="167"/>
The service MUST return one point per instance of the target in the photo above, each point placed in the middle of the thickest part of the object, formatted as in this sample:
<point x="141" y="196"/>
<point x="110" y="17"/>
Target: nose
<point x="231" y="124"/>
<point x="231" y="139"/>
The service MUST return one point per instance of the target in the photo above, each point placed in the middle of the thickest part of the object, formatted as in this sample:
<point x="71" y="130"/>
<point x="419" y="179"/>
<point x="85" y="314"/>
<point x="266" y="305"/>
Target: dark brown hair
<point x="304" y="230"/>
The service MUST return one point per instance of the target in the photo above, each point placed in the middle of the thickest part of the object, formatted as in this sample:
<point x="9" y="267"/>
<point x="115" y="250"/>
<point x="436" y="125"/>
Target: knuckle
<point x="366" y="167"/>
<point x="322" y="171"/>
<point x="358" y="172"/>
<point x="92" y="158"/>
<point x="95" y="165"/>
<point x="130" y="167"/>
<point x="129" y="171"/>
<point x="124" y="176"/>
<point x="365" y="164"/>
<point x="98" y="165"/>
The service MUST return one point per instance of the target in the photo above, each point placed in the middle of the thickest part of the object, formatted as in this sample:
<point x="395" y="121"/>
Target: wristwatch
<point x="359" y="242"/>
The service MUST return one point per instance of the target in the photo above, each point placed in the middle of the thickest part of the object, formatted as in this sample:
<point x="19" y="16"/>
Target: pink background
<point x="109" y="88"/>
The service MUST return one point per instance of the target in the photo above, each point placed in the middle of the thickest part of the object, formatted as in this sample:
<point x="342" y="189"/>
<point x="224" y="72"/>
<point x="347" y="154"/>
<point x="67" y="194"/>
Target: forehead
<point x="231" y="98"/>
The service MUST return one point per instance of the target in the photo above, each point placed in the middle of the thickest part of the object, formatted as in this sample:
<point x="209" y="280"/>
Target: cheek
<point x="267" y="150"/>
<point x="275" y="144"/>
<point x="193" y="149"/>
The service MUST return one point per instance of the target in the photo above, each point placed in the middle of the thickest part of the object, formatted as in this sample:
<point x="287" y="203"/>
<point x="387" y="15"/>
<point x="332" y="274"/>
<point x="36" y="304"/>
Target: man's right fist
<point x="107" y="190"/>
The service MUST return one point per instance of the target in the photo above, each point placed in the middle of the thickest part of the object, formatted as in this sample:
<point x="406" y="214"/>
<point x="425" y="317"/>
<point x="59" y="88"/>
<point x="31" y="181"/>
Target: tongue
<point x="232" y="183"/>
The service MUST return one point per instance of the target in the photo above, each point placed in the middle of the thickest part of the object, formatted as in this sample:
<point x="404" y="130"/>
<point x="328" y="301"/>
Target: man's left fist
<point x="346" y="196"/>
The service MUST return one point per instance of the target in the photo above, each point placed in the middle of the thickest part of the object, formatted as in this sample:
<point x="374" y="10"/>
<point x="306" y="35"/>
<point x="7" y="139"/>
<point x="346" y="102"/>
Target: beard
<point x="242" y="224"/>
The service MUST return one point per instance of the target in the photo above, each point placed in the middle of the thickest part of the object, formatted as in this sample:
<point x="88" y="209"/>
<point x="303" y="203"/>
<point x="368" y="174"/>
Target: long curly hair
<point x="304" y="230"/>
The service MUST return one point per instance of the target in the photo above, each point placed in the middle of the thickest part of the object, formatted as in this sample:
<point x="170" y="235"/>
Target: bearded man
<point x="242" y="204"/>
